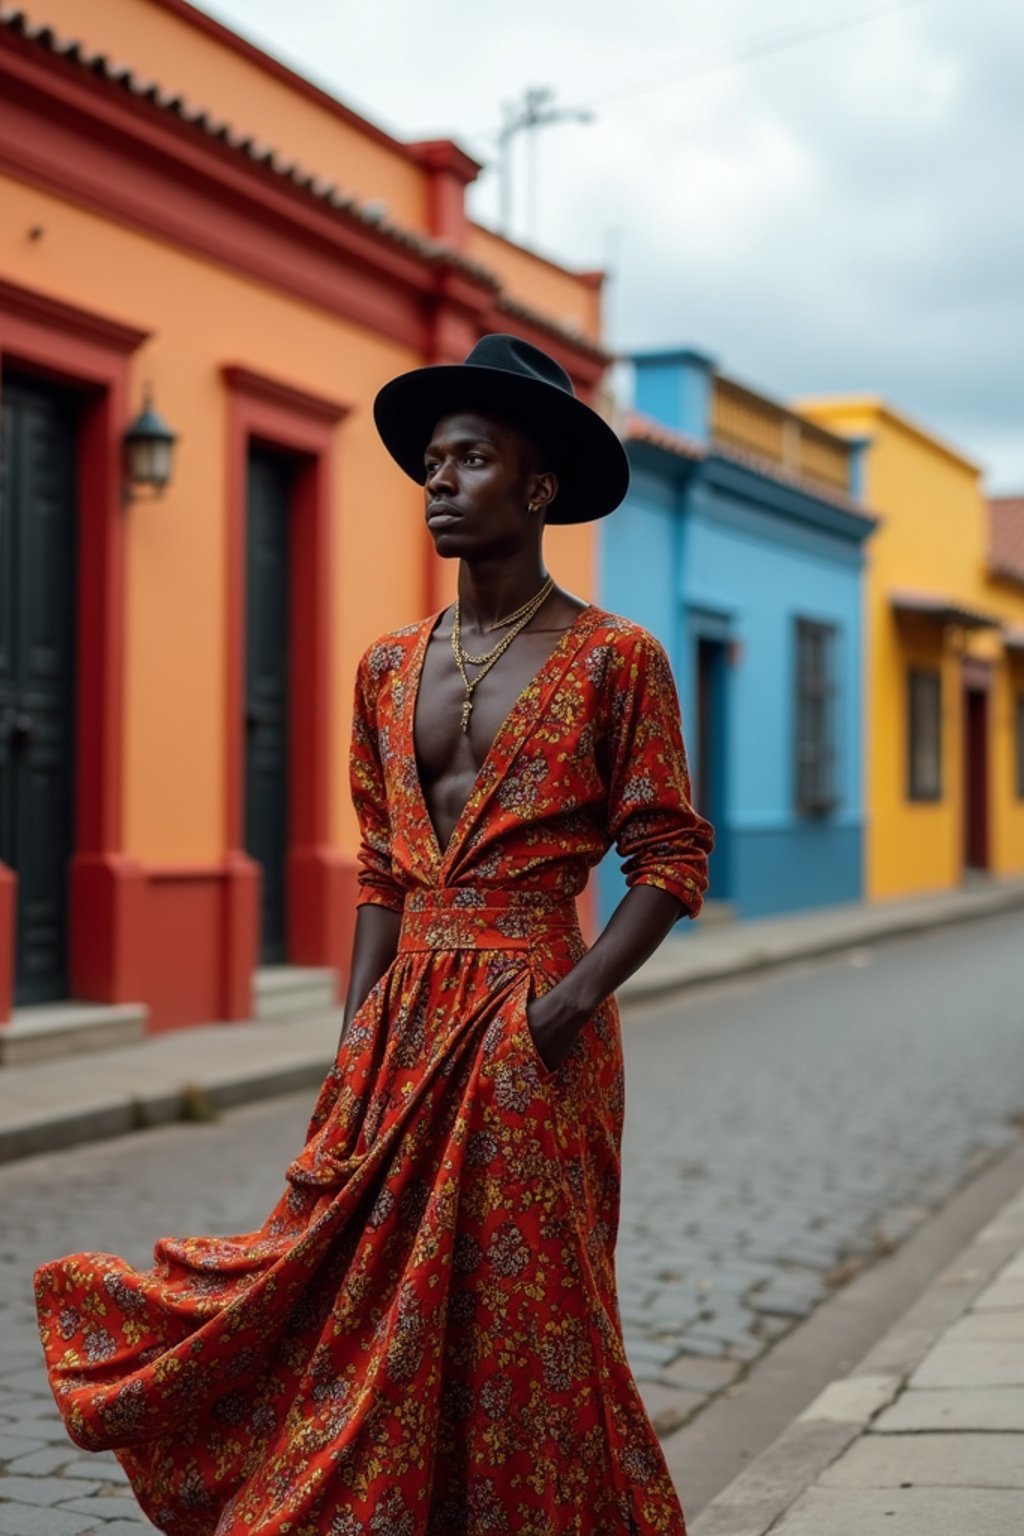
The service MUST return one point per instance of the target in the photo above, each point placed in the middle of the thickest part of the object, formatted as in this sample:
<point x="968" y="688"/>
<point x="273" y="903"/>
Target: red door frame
<point x="284" y="417"/>
<point x="92" y="354"/>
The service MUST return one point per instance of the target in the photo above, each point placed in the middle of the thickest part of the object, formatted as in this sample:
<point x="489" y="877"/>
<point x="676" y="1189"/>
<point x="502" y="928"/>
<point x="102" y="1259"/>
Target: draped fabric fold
<point x="423" y="1338"/>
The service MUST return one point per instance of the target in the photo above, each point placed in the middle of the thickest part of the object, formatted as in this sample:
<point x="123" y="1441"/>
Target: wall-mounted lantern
<point x="148" y="451"/>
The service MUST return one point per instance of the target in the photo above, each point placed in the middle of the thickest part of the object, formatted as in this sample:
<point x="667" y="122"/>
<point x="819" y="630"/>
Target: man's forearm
<point x="373" y="948"/>
<point x="638" y="925"/>
<point x="641" y="921"/>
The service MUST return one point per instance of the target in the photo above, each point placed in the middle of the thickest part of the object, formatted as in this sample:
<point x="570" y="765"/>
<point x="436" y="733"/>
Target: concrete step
<point x="46" y="1031"/>
<point x="282" y="992"/>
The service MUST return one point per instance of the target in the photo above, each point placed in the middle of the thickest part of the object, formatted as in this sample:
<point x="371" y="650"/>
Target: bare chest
<point x="449" y="759"/>
<point x="437" y="728"/>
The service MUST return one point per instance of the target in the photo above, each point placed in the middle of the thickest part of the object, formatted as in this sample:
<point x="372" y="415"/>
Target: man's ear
<point x="544" y="489"/>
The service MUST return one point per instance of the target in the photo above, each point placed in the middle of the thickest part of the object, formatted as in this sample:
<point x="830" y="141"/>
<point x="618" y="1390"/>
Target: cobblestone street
<point x="781" y="1132"/>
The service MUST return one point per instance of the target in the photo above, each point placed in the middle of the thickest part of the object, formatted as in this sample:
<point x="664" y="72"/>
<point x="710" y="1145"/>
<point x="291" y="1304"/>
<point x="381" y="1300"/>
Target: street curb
<point x="753" y="1503"/>
<point x="121" y="1114"/>
<point x="876" y="925"/>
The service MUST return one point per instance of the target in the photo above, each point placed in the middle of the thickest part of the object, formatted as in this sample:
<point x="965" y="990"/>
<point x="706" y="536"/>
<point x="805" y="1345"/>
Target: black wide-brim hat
<point x="507" y="378"/>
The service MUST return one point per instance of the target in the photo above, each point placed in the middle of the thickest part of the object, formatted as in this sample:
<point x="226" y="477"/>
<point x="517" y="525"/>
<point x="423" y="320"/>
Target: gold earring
<point x="532" y="506"/>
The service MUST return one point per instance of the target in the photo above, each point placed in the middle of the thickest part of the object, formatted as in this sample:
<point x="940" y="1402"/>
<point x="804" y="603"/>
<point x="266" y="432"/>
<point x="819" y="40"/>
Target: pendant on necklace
<point x="467" y="710"/>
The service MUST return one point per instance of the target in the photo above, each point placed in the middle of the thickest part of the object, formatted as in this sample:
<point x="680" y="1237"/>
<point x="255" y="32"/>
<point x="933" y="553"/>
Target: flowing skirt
<point x="423" y="1337"/>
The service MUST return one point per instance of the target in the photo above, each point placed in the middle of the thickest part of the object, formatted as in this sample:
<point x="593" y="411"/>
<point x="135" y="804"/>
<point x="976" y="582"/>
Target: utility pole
<point x="536" y="110"/>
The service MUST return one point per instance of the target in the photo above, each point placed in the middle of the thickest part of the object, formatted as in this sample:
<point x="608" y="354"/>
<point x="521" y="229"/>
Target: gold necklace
<point x="512" y="617"/>
<point x="527" y="611"/>
<point x="518" y="623"/>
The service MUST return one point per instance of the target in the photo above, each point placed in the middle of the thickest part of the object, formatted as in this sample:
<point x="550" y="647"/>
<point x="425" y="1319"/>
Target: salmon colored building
<point x="944" y="661"/>
<point x="183" y="214"/>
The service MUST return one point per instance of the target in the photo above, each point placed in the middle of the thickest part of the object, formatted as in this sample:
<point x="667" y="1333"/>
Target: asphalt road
<point x="781" y="1132"/>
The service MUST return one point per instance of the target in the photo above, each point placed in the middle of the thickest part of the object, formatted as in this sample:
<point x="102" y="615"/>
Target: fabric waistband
<point x="464" y="918"/>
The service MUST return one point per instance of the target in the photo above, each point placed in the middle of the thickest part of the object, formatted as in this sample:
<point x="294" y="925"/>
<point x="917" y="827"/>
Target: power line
<point x="758" y="47"/>
<point x="721" y="57"/>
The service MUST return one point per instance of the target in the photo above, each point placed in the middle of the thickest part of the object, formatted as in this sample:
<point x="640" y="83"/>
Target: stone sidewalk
<point x="925" y="1437"/>
<point x="733" y="949"/>
<point x="192" y="1073"/>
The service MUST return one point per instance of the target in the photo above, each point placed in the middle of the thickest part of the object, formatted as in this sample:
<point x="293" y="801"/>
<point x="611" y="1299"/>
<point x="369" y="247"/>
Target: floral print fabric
<point x="423" y="1337"/>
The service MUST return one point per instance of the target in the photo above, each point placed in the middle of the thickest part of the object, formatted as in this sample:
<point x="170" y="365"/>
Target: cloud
<point x="842" y="215"/>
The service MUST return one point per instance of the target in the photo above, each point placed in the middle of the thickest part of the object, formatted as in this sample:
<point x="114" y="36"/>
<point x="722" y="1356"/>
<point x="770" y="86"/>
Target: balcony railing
<point x="748" y="422"/>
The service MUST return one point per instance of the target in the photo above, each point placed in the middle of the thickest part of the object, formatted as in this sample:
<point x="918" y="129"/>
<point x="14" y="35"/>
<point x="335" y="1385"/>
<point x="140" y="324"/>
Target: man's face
<point x="480" y="479"/>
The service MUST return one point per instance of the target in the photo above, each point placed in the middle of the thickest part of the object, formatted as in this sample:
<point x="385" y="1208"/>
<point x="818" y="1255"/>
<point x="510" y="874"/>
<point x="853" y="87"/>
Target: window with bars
<point x="816" y="791"/>
<point x="1019" y="740"/>
<point x="924" y="733"/>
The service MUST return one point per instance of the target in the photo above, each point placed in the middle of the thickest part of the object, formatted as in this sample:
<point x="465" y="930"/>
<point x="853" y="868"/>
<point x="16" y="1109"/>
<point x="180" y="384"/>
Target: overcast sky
<point x="824" y="194"/>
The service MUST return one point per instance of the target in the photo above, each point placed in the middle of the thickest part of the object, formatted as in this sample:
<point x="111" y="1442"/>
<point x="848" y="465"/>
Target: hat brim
<point x="588" y="458"/>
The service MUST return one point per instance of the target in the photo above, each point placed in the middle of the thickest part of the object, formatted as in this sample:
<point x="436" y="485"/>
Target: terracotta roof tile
<point x="1006" y="537"/>
<point x="636" y="428"/>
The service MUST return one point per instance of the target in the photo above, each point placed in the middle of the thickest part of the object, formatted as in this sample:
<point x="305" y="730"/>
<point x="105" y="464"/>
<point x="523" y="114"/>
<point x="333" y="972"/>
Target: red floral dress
<point x="423" y="1337"/>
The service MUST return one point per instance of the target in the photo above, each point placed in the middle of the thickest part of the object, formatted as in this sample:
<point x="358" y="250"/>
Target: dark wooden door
<point x="37" y="651"/>
<point x="271" y="478"/>
<point x="711" y="767"/>
<point x="976" y="778"/>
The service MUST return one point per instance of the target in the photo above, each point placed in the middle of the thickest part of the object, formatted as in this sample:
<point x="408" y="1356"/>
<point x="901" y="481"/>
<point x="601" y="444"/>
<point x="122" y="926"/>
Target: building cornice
<point x="802" y="485"/>
<point x="94" y="134"/>
<point x="822" y="410"/>
<point x="41" y="309"/>
<point x="290" y="397"/>
<point x="795" y="500"/>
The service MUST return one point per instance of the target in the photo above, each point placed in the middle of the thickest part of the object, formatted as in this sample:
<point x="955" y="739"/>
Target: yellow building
<point x="944" y="665"/>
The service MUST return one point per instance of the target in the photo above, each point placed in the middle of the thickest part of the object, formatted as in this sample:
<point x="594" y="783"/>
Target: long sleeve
<point x="377" y="884"/>
<point x="657" y="833"/>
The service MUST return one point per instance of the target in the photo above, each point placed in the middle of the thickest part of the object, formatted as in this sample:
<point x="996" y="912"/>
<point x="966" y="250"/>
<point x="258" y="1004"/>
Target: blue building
<point x="741" y="548"/>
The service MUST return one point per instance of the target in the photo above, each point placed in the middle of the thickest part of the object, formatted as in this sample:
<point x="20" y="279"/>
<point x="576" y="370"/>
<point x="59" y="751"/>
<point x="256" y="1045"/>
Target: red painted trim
<point x="57" y="315"/>
<point x="91" y="353"/>
<point x="275" y="412"/>
<point x="585" y="365"/>
<point x="323" y="887"/>
<point x="288" y="397"/>
<point x="279" y="71"/>
<point x="108" y="920"/>
<point x="461" y="313"/>
<point x="449" y="171"/>
<point x="322" y="891"/>
<point x="237" y="443"/>
<point x="240" y="934"/>
<point x="116" y="153"/>
<point x="171" y="872"/>
<point x="446" y="156"/>
<point x="184" y="918"/>
<point x="210" y="913"/>
<point x="101" y="618"/>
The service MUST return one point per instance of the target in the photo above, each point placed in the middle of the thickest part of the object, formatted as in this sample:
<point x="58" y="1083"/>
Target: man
<point x="423" y="1339"/>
